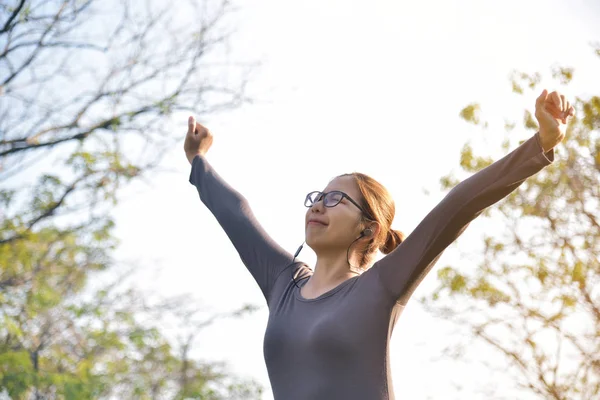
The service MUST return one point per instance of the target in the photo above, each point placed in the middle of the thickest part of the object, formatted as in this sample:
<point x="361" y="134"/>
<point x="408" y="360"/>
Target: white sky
<point x="370" y="86"/>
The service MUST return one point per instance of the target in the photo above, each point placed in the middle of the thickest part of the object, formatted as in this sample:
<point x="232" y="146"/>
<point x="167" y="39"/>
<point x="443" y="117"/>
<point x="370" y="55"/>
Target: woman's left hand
<point x="552" y="112"/>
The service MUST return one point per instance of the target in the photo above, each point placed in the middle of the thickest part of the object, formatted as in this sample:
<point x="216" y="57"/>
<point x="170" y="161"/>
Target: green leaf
<point x="529" y="122"/>
<point x="568" y="301"/>
<point x="563" y="74"/>
<point x="12" y="327"/>
<point x="542" y="273"/>
<point x="520" y="80"/>
<point x="471" y="113"/>
<point x="578" y="273"/>
<point x="458" y="283"/>
<point x="448" y="181"/>
<point x="535" y="278"/>
<point x="470" y="163"/>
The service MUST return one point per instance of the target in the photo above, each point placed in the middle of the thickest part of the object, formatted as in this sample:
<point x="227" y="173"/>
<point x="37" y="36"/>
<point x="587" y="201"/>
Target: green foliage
<point x="534" y="295"/>
<point x="564" y="75"/>
<point x="469" y="162"/>
<point x="521" y="80"/>
<point x="82" y="349"/>
<point x="529" y="122"/>
<point x="15" y="372"/>
<point x="471" y="113"/>
<point x="591" y="113"/>
<point x="453" y="280"/>
<point x="70" y="327"/>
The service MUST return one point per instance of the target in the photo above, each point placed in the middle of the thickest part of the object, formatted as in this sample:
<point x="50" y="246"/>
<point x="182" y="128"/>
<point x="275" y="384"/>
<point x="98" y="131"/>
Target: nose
<point x="317" y="206"/>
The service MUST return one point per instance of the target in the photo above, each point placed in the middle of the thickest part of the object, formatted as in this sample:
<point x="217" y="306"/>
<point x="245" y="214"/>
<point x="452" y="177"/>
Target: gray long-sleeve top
<point x="336" y="346"/>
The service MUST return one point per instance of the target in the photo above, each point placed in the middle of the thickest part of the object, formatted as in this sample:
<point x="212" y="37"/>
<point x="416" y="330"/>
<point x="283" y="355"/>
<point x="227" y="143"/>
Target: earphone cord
<point x="353" y="268"/>
<point x="293" y="260"/>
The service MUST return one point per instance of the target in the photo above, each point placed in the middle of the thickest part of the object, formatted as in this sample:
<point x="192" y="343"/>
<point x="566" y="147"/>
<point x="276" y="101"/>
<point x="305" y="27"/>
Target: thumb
<point x="191" y="125"/>
<point x="539" y="103"/>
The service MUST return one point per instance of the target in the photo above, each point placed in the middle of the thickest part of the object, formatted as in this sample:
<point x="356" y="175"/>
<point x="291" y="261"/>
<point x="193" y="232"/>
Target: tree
<point x="87" y="92"/>
<point x="534" y="296"/>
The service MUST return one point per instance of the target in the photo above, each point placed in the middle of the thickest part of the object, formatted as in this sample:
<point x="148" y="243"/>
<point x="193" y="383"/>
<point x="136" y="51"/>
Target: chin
<point x="310" y="241"/>
<point x="316" y="242"/>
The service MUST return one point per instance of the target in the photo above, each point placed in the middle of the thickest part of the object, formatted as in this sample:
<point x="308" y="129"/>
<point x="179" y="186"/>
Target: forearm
<point x="402" y="270"/>
<point x="216" y="194"/>
<point x="496" y="181"/>
<point x="260" y="253"/>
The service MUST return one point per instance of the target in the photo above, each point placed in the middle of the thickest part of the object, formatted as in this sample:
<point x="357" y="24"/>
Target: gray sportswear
<point x="336" y="346"/>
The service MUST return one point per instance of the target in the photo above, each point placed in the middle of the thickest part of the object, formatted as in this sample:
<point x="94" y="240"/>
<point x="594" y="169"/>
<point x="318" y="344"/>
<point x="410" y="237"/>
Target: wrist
<point x="547" y="141"/>
<point x="191" y="157"/>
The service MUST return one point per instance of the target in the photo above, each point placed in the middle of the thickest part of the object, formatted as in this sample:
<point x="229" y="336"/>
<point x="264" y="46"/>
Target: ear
<point x="372" y="230"/>
<point x="376" y="228"/>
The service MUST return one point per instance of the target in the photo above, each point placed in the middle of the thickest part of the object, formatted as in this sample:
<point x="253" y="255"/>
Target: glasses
<point x="330" y="199"/>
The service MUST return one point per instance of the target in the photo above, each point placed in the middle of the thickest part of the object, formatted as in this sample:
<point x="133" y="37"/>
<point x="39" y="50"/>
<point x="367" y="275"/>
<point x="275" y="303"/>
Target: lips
<point x="316" y="222"/>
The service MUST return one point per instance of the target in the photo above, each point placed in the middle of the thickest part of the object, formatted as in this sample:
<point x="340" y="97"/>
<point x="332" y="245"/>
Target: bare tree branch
<point x="11" y="18"/>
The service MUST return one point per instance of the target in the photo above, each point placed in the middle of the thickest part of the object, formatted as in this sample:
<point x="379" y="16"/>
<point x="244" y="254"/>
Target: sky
<point x="370" y="86"/>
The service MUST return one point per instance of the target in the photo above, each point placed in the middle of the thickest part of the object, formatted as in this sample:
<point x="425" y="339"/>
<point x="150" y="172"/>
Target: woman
<point x="329" y="330"/>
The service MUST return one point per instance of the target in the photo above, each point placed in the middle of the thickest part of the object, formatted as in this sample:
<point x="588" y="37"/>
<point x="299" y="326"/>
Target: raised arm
<point x="259" y="253"/>
<point x="402" y="270"/>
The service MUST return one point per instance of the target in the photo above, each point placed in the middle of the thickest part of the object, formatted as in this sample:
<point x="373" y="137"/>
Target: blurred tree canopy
<point x="534" y="297"/>
<point x="88" y="90"/>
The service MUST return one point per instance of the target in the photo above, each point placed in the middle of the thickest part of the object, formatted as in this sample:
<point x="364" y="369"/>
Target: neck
<point x="332" y="268"/>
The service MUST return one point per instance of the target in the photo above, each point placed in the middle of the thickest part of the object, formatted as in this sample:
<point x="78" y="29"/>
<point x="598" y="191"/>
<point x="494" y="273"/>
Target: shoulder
<point x="300" y="271"/>
<point x="297" y="270"/>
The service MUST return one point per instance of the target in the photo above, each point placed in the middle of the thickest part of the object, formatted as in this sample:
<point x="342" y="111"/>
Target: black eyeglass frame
<point x="322" y="196"/>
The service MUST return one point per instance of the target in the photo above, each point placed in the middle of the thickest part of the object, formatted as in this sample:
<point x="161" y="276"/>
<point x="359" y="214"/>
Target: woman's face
<point x="333" y="228"/>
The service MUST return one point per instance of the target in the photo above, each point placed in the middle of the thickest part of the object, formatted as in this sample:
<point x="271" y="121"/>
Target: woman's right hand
<point x="197" y="141"/>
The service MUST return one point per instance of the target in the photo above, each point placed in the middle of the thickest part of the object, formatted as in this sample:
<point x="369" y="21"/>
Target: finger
<point x="191" y="125"/>
<point x="570" y="110"/>
<point x="551" y="109"/>
<point x="199" y="128"/>
<point x="558" y="116"/>
<point x="539" y="102"/>
<point x="563" y="102"/>
<point x="556" y="100"/>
